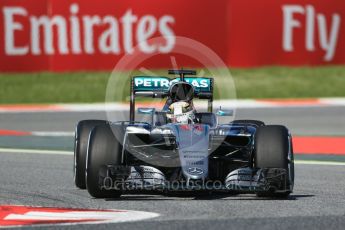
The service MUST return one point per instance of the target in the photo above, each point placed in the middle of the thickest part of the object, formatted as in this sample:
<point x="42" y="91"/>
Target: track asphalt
<point x="44" y="179"/>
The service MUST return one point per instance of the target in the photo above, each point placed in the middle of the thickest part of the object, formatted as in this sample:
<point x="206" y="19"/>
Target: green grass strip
<point x="254" y="83"/>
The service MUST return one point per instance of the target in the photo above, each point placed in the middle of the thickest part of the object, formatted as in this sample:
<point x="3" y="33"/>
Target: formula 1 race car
<point x="181" y="149"/>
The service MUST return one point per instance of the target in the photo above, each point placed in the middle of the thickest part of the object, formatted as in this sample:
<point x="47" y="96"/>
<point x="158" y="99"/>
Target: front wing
<point x="246" y="180"/>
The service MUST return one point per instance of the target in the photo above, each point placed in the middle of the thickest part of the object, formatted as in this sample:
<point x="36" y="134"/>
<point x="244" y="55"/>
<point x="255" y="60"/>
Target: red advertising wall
<point x="286" y="32"/>
<point x="76" y="35"/>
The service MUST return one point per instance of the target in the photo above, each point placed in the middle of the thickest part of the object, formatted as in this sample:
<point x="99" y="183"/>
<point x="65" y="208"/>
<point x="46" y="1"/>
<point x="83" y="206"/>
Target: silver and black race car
<point x="181" y="149"/>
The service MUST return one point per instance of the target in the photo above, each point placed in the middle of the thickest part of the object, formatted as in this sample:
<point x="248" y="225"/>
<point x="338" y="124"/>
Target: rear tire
<point x="82" y="133"/>
<point x="273" y="149"/>
<point x="103" y="149"/>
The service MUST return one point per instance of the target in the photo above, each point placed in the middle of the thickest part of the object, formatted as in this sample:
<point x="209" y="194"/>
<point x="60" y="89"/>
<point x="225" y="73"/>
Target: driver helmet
<point x="181" y="112"/>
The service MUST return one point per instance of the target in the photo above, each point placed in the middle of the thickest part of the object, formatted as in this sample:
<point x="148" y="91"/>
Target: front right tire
<point x="81" y="141"/>
<point x="104" y="149"/>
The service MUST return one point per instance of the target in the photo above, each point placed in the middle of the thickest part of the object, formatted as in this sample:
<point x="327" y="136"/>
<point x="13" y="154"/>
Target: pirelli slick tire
<point x="253" y="122"/>
<point x="273" y="149"/>
<point x="103" y="149"/>
<point x="82" y="133"/>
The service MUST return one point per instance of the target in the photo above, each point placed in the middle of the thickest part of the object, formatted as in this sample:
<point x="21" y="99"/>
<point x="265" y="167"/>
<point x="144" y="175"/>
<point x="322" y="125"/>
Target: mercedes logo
<point x="195" y="171"/>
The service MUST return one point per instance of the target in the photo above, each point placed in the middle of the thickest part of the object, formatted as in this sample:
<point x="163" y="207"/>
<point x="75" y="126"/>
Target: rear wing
<point x="158" y="87"/>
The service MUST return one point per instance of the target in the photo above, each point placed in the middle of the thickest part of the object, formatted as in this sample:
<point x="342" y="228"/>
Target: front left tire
<point x="273" y="149"/>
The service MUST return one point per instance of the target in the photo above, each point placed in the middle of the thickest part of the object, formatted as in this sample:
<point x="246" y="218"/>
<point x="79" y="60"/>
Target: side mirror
<point x="224" y="112"/>
<point x="148" y="111"/>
